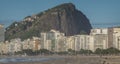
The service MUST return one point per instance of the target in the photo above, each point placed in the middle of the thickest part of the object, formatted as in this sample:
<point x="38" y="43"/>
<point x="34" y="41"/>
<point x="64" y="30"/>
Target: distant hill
<point x="65" y="18"/>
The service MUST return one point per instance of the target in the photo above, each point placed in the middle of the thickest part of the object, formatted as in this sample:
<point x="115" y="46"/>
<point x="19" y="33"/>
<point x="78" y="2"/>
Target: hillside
<point x="65" y="18"/>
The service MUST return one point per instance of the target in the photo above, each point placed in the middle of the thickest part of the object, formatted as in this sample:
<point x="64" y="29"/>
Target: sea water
<point x="7" y="60"/>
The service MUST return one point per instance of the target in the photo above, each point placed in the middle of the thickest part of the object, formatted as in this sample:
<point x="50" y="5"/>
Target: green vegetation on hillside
<point x="65" y="18"/>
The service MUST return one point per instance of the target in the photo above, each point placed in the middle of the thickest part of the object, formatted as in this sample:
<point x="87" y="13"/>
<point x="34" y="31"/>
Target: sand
<point x="77" y="60"/>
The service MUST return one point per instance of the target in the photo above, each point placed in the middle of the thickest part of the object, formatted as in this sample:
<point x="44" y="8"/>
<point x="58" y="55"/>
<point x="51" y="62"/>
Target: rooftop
<point x="1" y="26"/>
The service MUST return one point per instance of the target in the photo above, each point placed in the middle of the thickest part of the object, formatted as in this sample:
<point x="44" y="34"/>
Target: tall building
<point x="110" y="37"/>
<point x="14" y="45"/>
<point x="2" y="33"/>
<point x="54" y="36"/>
<point x="100" y="41"/>
<point x="47" y="45"/>
<point x="43" y="39"/>
<point x="70" y="42"/>
<point x="114" y="37"/>
<point x="36" y="43"/>
<point x="100" y="38"/>
<point x="79" y="42"/>
<point x="85" y="42"/>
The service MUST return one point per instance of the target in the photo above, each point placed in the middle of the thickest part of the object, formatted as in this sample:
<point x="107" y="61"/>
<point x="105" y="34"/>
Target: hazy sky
<point x="101" y="12"/>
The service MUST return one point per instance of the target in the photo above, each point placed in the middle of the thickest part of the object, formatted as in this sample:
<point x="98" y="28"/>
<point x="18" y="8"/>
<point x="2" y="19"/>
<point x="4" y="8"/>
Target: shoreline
<point x="79" y="59"/>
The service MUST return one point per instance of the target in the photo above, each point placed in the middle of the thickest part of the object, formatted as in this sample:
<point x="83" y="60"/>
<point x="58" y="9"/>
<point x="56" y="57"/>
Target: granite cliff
<point x="65" y="18"/>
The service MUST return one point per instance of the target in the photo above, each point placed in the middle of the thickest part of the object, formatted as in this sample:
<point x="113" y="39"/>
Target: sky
<point x="101" y="13"/>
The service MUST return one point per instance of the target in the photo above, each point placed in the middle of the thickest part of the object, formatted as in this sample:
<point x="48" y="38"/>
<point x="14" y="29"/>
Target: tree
<point x="71" y="52"/>
<point x="45" y="51"/>
<point x="82" y="51"/>
<point x="63" y="53"/>
<point x="107" y="51"/>
<point x="28" y="51"/>
<point x="98" y="51"/>
<point x="82" y="32"/>
<point x="112" y="51"/>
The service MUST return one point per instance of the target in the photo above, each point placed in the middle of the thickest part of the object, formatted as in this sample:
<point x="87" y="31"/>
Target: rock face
<point x="65" y="18"/>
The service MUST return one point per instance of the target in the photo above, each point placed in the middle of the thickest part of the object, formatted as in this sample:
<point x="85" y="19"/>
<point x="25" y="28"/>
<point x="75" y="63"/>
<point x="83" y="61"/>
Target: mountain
<point x="65" y="18"/>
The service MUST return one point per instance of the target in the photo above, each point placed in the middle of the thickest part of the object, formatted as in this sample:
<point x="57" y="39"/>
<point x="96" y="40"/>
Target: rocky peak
<point x="68" y="6"/>
<point x="64" y="18"/>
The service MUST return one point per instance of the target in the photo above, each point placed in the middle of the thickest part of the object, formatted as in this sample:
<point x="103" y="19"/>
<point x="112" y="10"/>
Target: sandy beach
<point x="75" y="60"/>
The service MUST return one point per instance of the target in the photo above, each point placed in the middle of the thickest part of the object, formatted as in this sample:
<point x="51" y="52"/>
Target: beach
<point x="73" y="60"/>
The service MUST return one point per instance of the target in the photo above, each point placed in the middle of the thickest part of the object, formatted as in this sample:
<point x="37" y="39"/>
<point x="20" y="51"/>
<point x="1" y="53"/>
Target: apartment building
<point x="85" y="42"/>
<point x="56" y="41"/>
<point x="100" y="38"/>
<point x="116" y="37"/>
<point x="54" y="36"/>
<point x="2" y="33"/>
<point x="70" y="43"/>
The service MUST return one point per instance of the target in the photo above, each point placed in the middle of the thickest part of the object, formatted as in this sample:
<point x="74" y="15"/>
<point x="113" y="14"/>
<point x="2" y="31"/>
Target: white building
<point x="11" y="48"/>
<point x="61" y="44"/>
<point x="47" y="45"/>
<point x="43" y="40"/>
<point x="99" y="31"/>
<point x="2" y="33"/>
<point x="52" y="35"/>
<point x="116" y="38"/>
<point x="17" y="47"/>
<point x="51" y="38"/>
<point x="70" y="43"/>
<point x="100" y="38"/>
<point x="86" y="42"/>
<point x="35" y="43"/>
<point x="4" y="48"/>
<point x="79" y="42"/>
<point x="100" y="41"/>
<point x="26" y="44"/>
